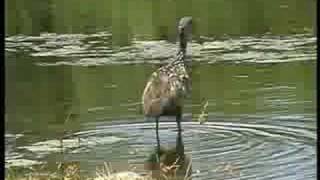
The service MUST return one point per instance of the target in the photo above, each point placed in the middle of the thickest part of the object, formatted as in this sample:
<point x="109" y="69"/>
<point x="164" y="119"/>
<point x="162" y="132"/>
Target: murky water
<point x="261" y="94"/>
<point x="76" y="97"/>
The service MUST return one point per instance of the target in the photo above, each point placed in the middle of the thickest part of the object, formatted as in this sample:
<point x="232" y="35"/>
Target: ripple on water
<point x="96" y="49"/>
<point x="218" y="149"/>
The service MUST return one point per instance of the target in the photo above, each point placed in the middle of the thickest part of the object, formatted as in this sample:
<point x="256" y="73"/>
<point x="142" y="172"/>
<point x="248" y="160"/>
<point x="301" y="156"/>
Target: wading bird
<point x="169" y="85"/>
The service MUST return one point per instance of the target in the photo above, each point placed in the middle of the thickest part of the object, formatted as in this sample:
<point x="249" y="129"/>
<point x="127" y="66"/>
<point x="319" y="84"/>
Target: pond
<point x="75" y="72"/>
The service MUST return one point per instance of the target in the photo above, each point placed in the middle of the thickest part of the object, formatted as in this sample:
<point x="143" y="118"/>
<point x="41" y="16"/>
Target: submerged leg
<point x="158" y="140"/>
<point x="179" y="143"/>
<point x="178" y="118"/>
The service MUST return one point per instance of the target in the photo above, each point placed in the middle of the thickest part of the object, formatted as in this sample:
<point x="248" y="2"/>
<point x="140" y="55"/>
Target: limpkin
<point x="168" y="86"/>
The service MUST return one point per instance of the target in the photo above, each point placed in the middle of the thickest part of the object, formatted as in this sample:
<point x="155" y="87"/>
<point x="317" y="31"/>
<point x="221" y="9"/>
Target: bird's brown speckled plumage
<point x="167" y="88"/>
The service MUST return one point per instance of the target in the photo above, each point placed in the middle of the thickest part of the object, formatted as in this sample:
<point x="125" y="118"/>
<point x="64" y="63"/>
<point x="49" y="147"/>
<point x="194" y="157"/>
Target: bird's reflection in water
<point x="173" y="163"/>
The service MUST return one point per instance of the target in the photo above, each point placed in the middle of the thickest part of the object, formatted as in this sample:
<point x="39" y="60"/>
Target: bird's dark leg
<point x="178" y="119"/>
<point x="179" y="146"/>
<point x="158" y="140"/>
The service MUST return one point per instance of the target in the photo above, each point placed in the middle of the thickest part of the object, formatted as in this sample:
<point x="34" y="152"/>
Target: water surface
<point x="82" y="83"/>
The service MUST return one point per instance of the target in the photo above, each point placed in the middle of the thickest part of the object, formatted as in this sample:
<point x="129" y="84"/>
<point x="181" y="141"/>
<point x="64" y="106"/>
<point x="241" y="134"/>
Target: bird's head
<point x="185" y="27"/>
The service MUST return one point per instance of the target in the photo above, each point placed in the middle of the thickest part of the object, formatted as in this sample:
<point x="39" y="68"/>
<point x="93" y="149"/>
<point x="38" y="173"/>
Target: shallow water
<point x="74" y="94"/>
<point x="260" y="90"/>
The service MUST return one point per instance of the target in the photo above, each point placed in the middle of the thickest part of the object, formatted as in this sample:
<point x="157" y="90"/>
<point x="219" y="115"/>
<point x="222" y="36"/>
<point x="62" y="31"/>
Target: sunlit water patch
<point x="97" y="49"/>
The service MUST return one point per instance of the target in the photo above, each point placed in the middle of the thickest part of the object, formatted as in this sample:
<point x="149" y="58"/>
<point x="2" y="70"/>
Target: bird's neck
<point x="180" y="59"/>
<point x="182" y="43"/>
<point x="182" y="50"/>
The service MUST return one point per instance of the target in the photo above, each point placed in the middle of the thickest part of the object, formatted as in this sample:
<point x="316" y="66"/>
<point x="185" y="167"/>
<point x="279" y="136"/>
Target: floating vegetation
<point x="203" y="117"/>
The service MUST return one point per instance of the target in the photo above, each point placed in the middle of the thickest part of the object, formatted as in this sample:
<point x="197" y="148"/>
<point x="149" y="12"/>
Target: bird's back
<point x="166" y="89"/>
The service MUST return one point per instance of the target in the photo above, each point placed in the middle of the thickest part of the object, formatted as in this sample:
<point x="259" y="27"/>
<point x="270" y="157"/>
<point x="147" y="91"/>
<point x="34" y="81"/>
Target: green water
<point x="88" y="62"/>
<point x="158" y="19"/>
